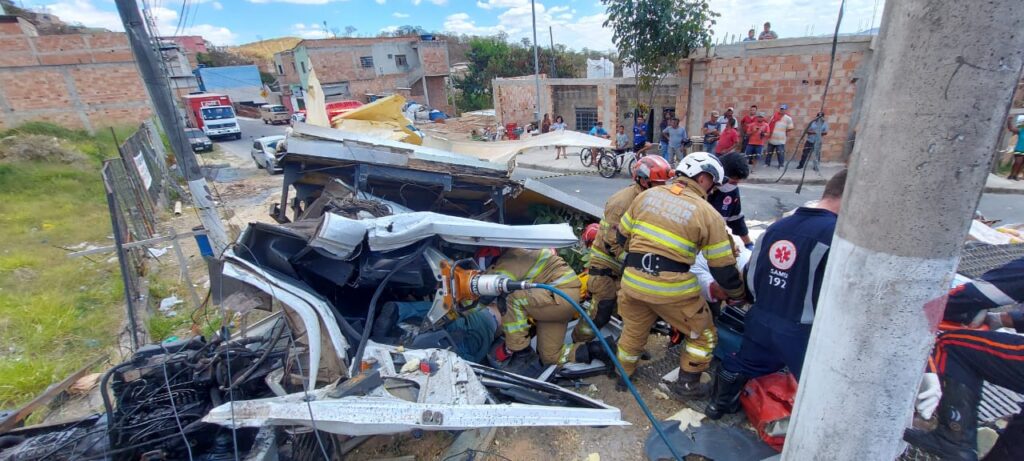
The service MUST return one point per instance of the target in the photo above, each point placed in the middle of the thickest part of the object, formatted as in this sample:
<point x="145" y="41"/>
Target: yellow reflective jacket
<point x="606" y="252"/>
<point x="675" y="221"/>
<point x="538" y="266"/>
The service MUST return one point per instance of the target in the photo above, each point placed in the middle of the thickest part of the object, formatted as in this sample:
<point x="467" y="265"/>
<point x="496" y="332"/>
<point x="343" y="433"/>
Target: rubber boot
<point x="592" y="350"/>
<point x="956" y="436"/>
<point x="726" y="398"/>
<point x="688" y="386"/>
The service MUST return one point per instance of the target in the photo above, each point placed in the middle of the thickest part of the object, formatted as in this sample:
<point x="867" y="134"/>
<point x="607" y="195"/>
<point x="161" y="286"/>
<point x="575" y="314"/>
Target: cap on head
<point x="729" y="109"/>
<point x="696" y="163"/>
<point x="784" y="107"/>
<point x="760" y="114"/>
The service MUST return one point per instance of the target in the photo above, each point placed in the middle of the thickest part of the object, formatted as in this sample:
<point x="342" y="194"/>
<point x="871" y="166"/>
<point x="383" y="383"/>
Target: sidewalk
<point x="544" y="160"/>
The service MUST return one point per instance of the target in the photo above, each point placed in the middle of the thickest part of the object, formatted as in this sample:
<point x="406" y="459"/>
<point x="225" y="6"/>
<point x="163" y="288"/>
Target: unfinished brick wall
<point x="78" y="81"/>
<point x="768" y="81"/>
<point x="434" y="57"/>
<point x="339" y="65"/>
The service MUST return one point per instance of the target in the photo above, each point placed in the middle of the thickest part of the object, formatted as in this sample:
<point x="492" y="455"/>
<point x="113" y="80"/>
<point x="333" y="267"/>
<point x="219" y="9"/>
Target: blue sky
<point x="576" y="23"/>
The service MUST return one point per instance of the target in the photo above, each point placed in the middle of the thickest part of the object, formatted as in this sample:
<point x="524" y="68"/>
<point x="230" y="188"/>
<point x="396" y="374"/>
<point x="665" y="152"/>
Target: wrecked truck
<point x="361" y="340"/>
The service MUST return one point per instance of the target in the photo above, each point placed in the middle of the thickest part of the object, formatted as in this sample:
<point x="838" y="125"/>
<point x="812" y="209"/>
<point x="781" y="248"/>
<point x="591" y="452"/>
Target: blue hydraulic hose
<point x="618" y="366"/>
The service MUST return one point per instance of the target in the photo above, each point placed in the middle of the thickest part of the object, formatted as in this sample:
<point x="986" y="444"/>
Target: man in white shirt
<point x="779" y="126"/>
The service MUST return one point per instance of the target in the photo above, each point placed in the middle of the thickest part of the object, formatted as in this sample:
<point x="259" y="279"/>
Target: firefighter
<point x="605" y="266"/>
<point x="726" y="198"/>
<point x="549" y="313"/>
<point x="784" y="277"/>
<point x="662" y="232"/>
<point x="962" y="359"/>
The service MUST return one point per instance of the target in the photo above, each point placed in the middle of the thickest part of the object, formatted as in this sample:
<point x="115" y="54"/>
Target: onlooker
<point x="677" y="139"/>
<point x="666" y="120"/>
<point x="750" y="36"/>
<point x="818" y="128"/>
<point x="747" y="120"/>
<point x="1018" y="149"/>
<point x="768" y="33"/>
<point x="621" y="140"/>
<point x="711" y="132"/>
<point x="545" y="126"/>
<point x="729" y="141"/>
<point x="559" y="125"/>
<point x="639" y="133"/>
<point x="757" y="131"/>
<point x="724" y="119"/>
<point x="780" y="125"/>
<point x="598" y="131"/>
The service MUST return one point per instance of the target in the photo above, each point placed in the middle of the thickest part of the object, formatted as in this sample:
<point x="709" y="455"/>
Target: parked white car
<point x="264" y="153"/>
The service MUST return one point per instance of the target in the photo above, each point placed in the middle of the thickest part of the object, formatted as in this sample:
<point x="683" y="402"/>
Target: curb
<point x="784" y="181"/>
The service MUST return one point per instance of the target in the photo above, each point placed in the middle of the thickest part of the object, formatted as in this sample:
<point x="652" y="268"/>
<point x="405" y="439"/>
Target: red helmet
<point x="652" y="170"/>
<point x="590" y="233"/>
<point x="484" y="256"/>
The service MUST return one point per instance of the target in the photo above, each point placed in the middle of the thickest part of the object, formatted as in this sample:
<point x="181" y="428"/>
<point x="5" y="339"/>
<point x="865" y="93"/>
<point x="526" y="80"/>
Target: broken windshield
<point x="217" y="113"/>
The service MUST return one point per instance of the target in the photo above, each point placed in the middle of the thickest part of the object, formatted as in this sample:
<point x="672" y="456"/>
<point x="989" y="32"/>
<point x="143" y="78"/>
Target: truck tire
<point x="238" y="136"/>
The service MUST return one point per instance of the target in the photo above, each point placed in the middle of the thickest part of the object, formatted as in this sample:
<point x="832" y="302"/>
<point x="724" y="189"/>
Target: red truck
<point x="213" y="114"/>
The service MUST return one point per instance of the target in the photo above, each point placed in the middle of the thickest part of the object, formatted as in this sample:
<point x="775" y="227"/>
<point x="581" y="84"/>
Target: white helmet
<point x="696" y="163"/>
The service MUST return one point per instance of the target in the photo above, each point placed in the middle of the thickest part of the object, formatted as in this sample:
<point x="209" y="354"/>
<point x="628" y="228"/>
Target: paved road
<point x="251" y="129"/>
<point x="762" y="202"/>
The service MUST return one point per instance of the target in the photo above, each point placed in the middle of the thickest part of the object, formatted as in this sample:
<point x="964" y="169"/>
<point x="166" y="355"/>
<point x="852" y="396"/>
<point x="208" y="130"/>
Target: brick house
<point x="769" y="73"/>
<point x="83" y="81"/>
<point x="362" y="69"/>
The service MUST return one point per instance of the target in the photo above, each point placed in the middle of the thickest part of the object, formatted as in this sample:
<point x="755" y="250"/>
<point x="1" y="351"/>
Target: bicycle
<point x="589" y="156"/>
<point x="610" y="163"/>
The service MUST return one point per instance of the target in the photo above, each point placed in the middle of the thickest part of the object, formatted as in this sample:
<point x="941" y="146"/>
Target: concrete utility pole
<point x="536" y="59"/>
<point x="945" y="75"/>
<point x="551" y="36"/>
<point x="163" y="104"/>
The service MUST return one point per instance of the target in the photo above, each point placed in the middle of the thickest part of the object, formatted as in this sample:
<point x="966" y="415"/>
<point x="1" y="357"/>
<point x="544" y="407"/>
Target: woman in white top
<point x="559" y="125"/>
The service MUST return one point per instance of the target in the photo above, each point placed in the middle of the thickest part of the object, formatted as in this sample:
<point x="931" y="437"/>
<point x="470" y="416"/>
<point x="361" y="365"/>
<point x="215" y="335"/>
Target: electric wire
<point x="170" y="398"/>
<point x="824" y="96"/>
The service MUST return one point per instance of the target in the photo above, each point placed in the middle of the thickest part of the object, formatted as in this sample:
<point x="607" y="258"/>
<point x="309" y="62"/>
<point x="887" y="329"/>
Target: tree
<point x="655" y="35"/>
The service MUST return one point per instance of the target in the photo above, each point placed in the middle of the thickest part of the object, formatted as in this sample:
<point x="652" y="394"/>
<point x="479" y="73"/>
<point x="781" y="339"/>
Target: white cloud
<point x="310" y="31"/>
<point x="381" y="2"/>
<point x="85" y="12"/>
<point x="389" y="29"/>
<point x="400" y="15"/>
<point x="501" y="4"/>
<point x="298" y="2"/>
<point x="516" y="20"/>
<point x="217" y="6"/>
<point x="436" y="2"/>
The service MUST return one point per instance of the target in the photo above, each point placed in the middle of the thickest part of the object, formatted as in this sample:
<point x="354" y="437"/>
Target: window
<point x="280" y="69"/>
<point x="586" y="118"/>
<point x="366" y="62"/>
<point x="304" y="67"/>
<point x="294" y="69"/>
<point x="400" y="60"/>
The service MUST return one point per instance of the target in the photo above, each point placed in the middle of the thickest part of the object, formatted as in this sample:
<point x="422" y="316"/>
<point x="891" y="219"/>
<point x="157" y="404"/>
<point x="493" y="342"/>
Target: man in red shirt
<point x="757" y="132"/>
<point x="729" y="141"/>
<point x="748" y="118"/>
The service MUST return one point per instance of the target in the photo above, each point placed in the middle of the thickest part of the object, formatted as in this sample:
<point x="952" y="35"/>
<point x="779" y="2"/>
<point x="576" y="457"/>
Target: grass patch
<point x="56" y="313"/>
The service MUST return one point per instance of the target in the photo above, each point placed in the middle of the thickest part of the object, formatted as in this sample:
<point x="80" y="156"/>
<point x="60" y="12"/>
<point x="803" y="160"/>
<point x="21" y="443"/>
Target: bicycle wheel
<point x="632" y="164"/>
<point x="586" y="157"/>
<point x="606" y="166"/>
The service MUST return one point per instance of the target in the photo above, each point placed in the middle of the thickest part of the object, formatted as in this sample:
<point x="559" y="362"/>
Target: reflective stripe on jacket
<point x="674" y="221"/>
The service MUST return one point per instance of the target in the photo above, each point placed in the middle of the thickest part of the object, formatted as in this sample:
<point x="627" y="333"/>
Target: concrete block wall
<point x="84" y="81"/>
<point x="434" y="57"/>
